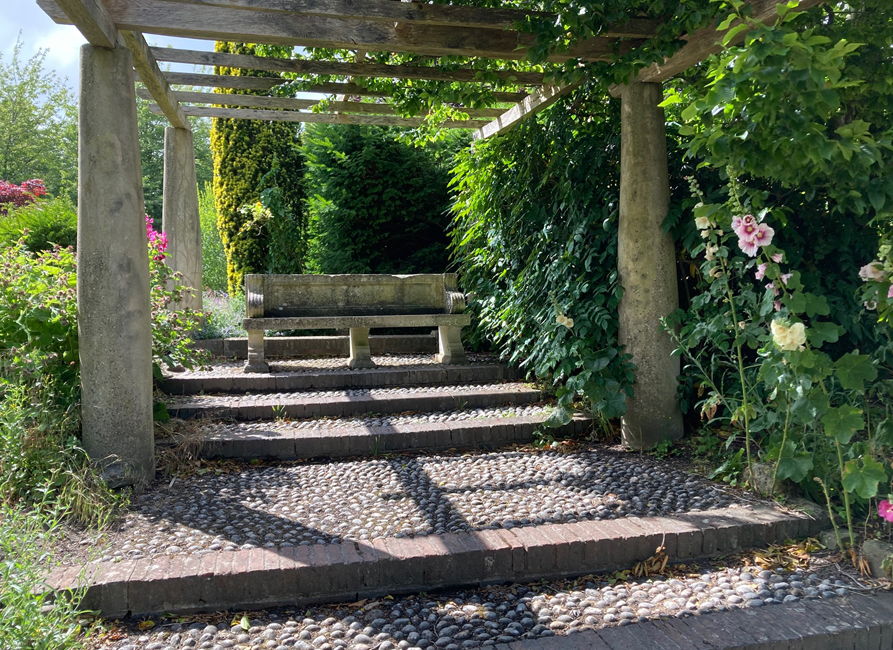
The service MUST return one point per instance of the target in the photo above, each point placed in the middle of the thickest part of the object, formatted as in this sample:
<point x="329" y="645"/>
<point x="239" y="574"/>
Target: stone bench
<point x="357" y="303"/>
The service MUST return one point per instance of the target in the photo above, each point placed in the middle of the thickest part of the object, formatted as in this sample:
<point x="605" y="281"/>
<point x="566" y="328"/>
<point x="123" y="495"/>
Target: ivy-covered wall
<point x="244" y="151"/>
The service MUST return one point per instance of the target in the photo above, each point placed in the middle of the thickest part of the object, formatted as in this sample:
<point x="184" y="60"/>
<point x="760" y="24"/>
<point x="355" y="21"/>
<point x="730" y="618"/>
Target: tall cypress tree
<point x="244" y="151"/>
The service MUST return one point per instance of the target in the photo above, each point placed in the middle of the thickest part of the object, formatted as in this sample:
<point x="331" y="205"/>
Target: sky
<point x="25" y="20"/>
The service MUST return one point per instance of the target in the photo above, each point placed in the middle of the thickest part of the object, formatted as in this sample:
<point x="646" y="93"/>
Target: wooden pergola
<point x="113" y="286"/>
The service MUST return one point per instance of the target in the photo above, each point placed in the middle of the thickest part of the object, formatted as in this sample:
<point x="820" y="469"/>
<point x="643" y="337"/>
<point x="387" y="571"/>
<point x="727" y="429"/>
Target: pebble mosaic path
<point x="488" y="616"/>
<point x="403" y="496"/>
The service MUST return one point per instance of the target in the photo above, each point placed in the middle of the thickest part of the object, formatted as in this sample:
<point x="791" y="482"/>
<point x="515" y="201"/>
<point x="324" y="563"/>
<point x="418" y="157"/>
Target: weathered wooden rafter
<point x="287" y="103"/>
<point x="346" y="69"/>
<point x="324" y="118"/>
<point x="267" y="83"/>
<point x="289" y="28"/>
<point x="94" y="22"/>
<point x="542" y="98"/>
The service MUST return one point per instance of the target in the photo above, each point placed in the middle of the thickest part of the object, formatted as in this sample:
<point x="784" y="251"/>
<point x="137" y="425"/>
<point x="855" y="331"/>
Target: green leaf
<point x="853" y="370"/>
<point x="842" y="422"/>
<point x="559" y="417"/>
<point x="159" y="412"/>
<point x="883" y="433"/>
<point x="793" y="464"/>
<point x="823" y="332"/>
<point x="863" y="477"/>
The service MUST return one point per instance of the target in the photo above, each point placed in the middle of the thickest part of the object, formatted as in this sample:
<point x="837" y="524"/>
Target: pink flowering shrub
<point x="15" y="196"/>
<point x="877" y="279"/>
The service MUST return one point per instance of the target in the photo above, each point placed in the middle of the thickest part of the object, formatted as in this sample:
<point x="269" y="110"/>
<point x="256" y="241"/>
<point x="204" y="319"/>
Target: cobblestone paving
<point x="223" y="368"/>
<point x="483" y="617"/>
<point x="378" y="421"/>
<point x="306" y="503"/>
<point x="321" y="395"/>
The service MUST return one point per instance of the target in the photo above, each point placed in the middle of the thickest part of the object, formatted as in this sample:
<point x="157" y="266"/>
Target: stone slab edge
<point x="293" y="444"/>
<point x="855" y="622"/>
<point x="259" y="578"/>
<point x="320" y="346"/>
<point x="261" y="407"/>
<point x="372" y="378"/>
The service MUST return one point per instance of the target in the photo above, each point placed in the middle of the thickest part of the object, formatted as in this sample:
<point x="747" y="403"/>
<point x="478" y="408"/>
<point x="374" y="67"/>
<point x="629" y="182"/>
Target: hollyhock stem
<point x="784" y="437"/>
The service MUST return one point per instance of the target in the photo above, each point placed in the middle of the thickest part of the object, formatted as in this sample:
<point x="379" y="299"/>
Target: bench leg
<point x="256" y="361"/>
<point x="449" y="341"/>
<point x="360" y="354"/>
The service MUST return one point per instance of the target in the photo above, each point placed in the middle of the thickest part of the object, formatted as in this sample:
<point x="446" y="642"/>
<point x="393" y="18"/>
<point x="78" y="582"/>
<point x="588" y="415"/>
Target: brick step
<point x="334" y="403"/>
<point x="855" y="622"/>
<point x="293" y="374"/>
<point x="285" y="442"/>
<point x="257" y="578"/>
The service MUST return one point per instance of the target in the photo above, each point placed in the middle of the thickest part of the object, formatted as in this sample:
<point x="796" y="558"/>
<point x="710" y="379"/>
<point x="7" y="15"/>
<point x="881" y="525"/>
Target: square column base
<point x="360" y="354"/>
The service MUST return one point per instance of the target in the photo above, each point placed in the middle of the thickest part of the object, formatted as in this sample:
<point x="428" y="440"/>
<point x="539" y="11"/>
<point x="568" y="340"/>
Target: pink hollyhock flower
<point x="763" y="235"/>
<point x="744" y="226"/>
<point x="885" y="510"/>
<point x="778" y="257"/>
<point x="748" y="247"/>
<point x="772" y="286"/>
<point x="872" y="271"/>
<point x="760" y="273"/>
<point x="777" y="305"/>
<point x="786" y="276"/>
<point x="890" y="292"/>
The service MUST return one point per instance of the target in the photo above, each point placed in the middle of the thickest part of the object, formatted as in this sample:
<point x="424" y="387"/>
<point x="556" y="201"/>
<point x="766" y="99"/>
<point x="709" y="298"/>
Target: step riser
<point x="320" y="346"/>
<point x="374" y="378"/>
<point x="259" y="578"/>
<point x="342" y="443"/>
<point x="357" y="405"/>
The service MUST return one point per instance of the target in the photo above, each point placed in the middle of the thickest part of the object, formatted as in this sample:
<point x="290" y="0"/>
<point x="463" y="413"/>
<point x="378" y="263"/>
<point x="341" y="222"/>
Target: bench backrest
<point x="277" y="296"/>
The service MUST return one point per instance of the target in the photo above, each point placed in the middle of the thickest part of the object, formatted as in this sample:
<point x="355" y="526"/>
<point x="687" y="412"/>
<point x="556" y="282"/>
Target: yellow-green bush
<point x="245" y="150"/>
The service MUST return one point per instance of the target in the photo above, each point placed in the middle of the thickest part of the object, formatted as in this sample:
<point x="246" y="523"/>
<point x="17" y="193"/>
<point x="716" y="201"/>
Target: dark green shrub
<point x="377" y="204"/>
<point x="41" y="225"/>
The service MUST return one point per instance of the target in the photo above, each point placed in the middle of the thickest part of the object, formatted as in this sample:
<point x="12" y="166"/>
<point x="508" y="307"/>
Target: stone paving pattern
<point x="558" y="617"/>
<point x="403" y="496"/>
<point x="328" y="373"/>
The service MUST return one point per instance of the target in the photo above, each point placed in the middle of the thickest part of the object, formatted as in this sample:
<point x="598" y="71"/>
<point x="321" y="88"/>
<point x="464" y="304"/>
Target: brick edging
<point x="346" y="572"/>
<point x="264" y="407"/>
<point x="490" y="433"/>
<point x="429" y="375"/>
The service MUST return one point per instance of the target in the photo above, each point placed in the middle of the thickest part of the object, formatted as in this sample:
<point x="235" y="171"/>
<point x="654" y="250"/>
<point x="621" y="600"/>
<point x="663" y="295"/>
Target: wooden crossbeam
<point x="705" y="42"/>
<point x="428" y="14"/>
<point x="287" y="103"/>
<point x="89" y="16"/>
<point x="344" y="69"/>
<point x="151" y="75"/>
<point x="288" y="28"/>
<point x="324" y="118"/>
<point x="267" y="83"/>
<point x="542" y="98"/>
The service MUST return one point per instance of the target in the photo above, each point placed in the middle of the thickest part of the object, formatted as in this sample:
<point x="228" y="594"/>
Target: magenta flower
<point x="744" y="226"/>
<point x="885" y="510"/>
<point x="755" y="236"/>
<point x="748" y="247"/>
<point x="890" y="292"/>
<point x="760" y="273"/>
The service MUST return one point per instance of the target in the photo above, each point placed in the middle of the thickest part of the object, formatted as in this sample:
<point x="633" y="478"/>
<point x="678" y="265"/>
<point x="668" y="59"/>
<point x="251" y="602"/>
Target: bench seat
<point x="357" y="303"/>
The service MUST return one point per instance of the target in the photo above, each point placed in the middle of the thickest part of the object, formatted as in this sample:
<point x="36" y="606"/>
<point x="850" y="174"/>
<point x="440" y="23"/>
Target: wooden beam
<point x="89" y="16"/>
<point x="705" y="42"/>
<point x="267" y="83"/>
<point x="154" y="80"/>
<point x="344" y="69"/>
<point x="542" y="98"/>
<point x="287" y="103"/>
<point x="429" y="14"/>
<point x="324" y="118"/>
<point x="288" y="28"/>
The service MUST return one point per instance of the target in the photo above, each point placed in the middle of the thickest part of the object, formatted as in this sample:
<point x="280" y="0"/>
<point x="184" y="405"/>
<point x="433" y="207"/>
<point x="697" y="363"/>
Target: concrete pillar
<point x="114" y="325"/>
<point x="180" y="218"/>
<point x="646" y="262"/>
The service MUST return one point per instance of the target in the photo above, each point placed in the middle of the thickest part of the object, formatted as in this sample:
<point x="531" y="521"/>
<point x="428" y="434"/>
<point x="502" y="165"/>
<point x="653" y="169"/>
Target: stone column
<point x="114" y="323"/>
<point x="180" y="213"/>
<point x="646" y="262"/>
